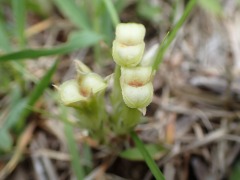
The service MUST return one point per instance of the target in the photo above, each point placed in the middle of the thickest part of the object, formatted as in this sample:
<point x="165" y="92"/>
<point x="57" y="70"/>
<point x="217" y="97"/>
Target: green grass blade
<point x="75" y="158"/>
<point x="16" y="113"/>
<point x="19" y="14"/>
<point x="88" y="158"/>
<point x="5" y="41"/>
<point x="107" y="27"/>
<point x="5" y="140"/>
<point x="150" y="162"/>
<point x="20" y="111"/>
<point x="42" y="85"/>
<point x="112" y="11"/>
<point x="75" y="13"/>
<point x="133" y="154"/>
<point x="212" y="6"/>
<point x="235" y="171"/>
<point x="120" y="5"/>
<point x="162" y="49"/>
<point x="77" y="41"/>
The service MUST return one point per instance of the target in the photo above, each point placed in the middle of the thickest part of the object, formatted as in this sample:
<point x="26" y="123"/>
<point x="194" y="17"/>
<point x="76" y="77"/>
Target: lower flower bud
<point x="137" y="96"/>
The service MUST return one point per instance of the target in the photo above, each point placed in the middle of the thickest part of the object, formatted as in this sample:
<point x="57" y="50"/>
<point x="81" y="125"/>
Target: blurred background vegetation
<point x="191" y="129"/>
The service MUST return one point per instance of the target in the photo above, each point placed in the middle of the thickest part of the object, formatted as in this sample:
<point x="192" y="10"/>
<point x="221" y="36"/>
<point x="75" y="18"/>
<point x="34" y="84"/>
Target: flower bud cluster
<point x="83" y="88"/>
<point x="85" y="94"/>
<point x="135" y="80"/>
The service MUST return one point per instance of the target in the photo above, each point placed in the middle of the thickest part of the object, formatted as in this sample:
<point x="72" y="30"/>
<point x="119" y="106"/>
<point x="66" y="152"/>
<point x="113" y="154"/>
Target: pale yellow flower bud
<point x="91" y="83"/>
<point x="128" y="56"/>
<point x="136" y="76"/>
<point x="130" y="33"/>
<point x="87" y="84"/>
<point x="137" y="96"/>
<point x="69" y="93"/>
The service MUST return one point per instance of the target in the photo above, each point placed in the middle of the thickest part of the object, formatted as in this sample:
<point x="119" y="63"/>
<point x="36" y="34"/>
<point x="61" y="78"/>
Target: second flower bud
<point x="137" y="89"/>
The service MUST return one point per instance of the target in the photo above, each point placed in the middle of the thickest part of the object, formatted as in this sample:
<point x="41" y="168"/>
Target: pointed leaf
<point x="76" y="41"/>
<point x="75" y="13"/>
<point x="134" y="154"/>
<point x="5" y="140"/>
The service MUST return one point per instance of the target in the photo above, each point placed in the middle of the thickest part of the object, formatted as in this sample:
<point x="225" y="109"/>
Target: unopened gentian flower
<point x="137" y="75"/>
<point x="130" y="33"/>
<point x="128" y="46"/>
<point x="90" y="83"/>
<point x="69" y="93"/>
<point x="87" y="84"/>
<point x="135" y="80"/>
<point x="137" y="89"/>
<point x="137" y="96"/>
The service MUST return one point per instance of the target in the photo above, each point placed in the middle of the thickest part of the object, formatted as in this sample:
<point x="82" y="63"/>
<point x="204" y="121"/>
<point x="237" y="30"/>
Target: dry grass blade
<point x="51" y="154"/>
<point x="211" y="137"/>
<point x="37" y="28"/>
<point x="23" y="141"/>
<point x="195" y="114"/>
<point x="99" y="172"/>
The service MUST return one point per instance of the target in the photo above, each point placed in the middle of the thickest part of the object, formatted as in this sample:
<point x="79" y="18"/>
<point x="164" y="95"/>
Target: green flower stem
<point x="150" y="162"/>
<point x="121" y="112"/>
<point x="117" y="95"/>
<point x="125" y="119"/>
<point x="92" y="116"/>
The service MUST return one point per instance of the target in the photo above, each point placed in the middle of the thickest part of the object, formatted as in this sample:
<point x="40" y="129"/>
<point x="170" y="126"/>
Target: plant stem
<point x="112" y="11"/>
<point x="150" y="162"/>
<point x="116" y="96"/>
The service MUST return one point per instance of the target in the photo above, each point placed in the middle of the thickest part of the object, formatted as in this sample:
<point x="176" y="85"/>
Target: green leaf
<point x="73" y="149"/>
<point x="37" y="93"/>
<point x="148" y="11"/>
<point x="235" y="173"/>
<point x="5" y="41"/>
<point x="41" y="7"/>
<point x="134" y="154"/>
<point x="76" y="41"/>
<point x="112" y="11"/>
<point x="213" y="6"/>
<point x="120" y="5"/>
<point x="42" y="85"/>
<point x="5" y="140"/>
<point x="88" y="158"/>
<point x="15" y="113"/>
<point x="170" y="37"/>
<point x="148" y="159"/>
<point x="75" y="13"/>
<point x="20" y="111"/>
<point x="19" y="14"/>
